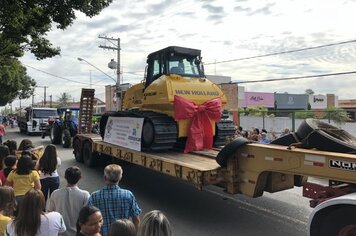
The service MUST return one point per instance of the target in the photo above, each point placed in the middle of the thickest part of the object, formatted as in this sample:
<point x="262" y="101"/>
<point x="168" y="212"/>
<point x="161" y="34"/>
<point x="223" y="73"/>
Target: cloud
<point x="266" y="10"/>
<point x="242" y="9"/>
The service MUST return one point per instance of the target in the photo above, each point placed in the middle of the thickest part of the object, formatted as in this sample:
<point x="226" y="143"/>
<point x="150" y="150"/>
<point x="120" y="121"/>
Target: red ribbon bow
<point x="200" y="133"/>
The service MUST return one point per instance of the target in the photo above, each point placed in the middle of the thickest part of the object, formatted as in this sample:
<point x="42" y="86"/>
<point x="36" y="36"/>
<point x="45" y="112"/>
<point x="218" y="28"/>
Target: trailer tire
<point x="285" y="140"/>
<point x="325" y="137"/>
<point x="77" y="150"/>
<point x="340" y="222"/>
<point x="227" y="151"/>
<point x="66" y="138"/>
<point x="89" y="157"/>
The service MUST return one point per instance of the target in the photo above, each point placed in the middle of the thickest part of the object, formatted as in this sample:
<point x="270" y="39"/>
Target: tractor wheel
<point x="66" y="138"/>
<point x="78" y="152"/>
<point x="55" y="134"/>
<point x="90" y="158"/>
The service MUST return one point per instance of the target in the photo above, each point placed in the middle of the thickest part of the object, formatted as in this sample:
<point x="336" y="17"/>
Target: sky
<point x="222" y="30"/>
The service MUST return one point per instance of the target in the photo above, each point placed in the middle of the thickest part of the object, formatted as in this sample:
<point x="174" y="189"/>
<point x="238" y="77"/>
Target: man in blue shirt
<point x="114" y="202"/>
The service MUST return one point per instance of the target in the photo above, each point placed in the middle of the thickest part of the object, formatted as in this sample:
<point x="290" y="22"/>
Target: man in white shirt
<point x="69" y="200"/>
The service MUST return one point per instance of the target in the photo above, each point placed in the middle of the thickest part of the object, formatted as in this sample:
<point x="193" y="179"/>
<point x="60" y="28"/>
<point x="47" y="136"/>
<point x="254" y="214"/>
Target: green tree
<point x="24" y="25"/>
<point x="336" y="114"/>
<point x="253" y="111"/>
<point x="304" y="114"/>
<point x="309" y="91"/>
<point x="13" y="81"/>
<point x="64" y="99"/>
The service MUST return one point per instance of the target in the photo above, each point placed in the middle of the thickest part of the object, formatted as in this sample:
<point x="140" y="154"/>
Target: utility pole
<point x="50" y="100"/>
<point x="33" y="99"/>
<point x="118" y="67"/>
<point x="44" y="97"/>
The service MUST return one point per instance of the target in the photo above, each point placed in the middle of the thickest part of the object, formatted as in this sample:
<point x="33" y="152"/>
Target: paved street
<point x="193" y="213"/>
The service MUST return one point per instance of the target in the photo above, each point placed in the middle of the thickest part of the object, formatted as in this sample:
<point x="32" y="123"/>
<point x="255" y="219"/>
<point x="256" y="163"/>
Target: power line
<point x="283" y="52"/>
<point x="59" y="77"/>
<point x="295" y="78"/>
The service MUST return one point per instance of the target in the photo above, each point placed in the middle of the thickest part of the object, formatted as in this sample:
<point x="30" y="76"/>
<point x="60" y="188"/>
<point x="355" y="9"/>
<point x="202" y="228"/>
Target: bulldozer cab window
<point x="184" y="65"/>
<point x="154" y="70"/>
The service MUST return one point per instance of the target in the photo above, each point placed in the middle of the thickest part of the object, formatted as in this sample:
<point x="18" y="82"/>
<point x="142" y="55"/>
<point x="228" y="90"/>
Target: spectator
<point x="114" y="202"/>
<point x="69" y="200"/>
<point x="48" y="164"/>
<point x="122" y="227"/>
<point x="285" y="132"/>
<point x="23" y="178"/>
<point x="7" y="206"/>
<point x="2" y="132"/>
<point x="89" y="221"/>
<point x="255" y="136"/>
<point x="12" y="145"/>
<point x="10" y="165"/>
<point x="154" y="223"/>
<point x="264" y="138"/>
<point x="31" y="220"/>
<point x="4" y="152"/>
<point x="25" y="144"/>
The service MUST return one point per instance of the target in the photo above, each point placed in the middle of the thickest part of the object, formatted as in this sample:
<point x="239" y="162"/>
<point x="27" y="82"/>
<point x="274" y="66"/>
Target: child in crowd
<point x="24" y="178"/>
<point x="124" y="227"/>
<point x="154" y="223"/>
<point x="10" y="164"/>
<point x="32" y="220"/>
<point x="7" y="206"/>
<point x="48" y="164"/>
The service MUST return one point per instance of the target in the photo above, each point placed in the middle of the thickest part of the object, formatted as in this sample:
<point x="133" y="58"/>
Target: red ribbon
<point x="200" y="133"/>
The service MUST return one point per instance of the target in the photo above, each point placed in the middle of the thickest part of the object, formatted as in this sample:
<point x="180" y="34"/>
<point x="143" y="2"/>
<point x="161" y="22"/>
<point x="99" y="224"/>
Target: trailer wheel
<point x="229" y="150"/>
<point x="89" y="157"/>
<point x="325" y="137"/>
<point x="77" y="151"/>
<point x="55" y="134"/>
<point x="339" y="222"/>
<point x="66" y="138"/>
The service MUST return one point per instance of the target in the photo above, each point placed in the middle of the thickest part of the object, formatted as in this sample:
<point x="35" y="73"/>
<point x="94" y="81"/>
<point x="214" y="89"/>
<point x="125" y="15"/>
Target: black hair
<point x="84" y="215"/>
<point x="24" y="165"/>
<point x="9" y="161"/>
<point x="73" y="175"/>
<point x="12" y="145"/>
<point x="4" y="152"/>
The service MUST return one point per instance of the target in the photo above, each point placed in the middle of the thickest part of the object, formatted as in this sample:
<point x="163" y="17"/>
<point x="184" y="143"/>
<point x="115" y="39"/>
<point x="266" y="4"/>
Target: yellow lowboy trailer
<point x="250" y="170"/>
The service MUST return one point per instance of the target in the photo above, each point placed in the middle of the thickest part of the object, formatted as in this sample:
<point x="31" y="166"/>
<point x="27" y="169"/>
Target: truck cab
<point x="35" y="119"/>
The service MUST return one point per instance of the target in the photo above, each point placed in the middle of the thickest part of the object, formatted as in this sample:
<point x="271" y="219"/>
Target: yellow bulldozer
<point x="174" y="74"/>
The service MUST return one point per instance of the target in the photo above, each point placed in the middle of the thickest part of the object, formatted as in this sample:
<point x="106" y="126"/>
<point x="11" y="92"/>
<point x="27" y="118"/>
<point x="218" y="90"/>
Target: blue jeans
<point x="49" y="185"/>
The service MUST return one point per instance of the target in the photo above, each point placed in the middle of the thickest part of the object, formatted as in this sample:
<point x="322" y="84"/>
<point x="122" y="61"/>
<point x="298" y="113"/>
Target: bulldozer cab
<point x="173" y="60"/>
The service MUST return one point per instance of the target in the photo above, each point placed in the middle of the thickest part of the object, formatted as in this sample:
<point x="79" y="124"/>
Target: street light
<point x="81" y="59"/>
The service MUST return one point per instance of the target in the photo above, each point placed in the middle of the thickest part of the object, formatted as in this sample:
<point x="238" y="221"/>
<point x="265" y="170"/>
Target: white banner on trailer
<point x="124" y="131"/>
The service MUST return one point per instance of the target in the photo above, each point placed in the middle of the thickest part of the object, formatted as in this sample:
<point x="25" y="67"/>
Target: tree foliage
<point x="13" y="81"/>
<point x="64" y="99"/>
<point x="24" y="25"/>
<point x="336" y="114"/>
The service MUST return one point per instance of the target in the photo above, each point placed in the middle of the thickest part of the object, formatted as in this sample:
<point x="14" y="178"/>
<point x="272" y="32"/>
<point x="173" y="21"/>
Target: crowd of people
<point x="31" y="202"/>
<point x="257" y="135"/>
